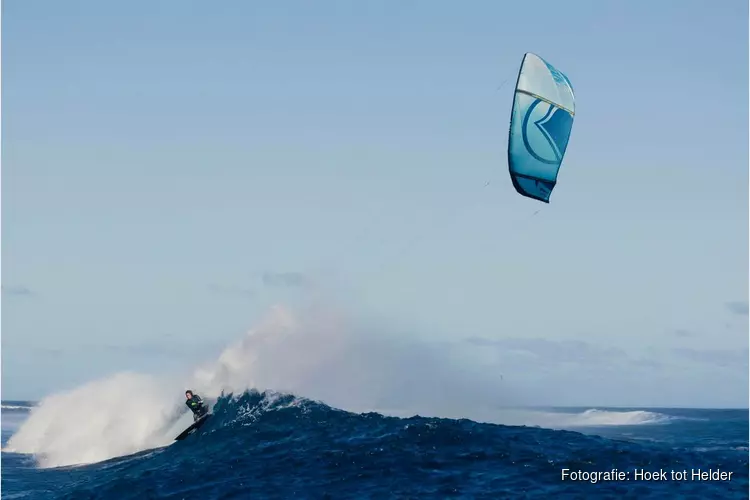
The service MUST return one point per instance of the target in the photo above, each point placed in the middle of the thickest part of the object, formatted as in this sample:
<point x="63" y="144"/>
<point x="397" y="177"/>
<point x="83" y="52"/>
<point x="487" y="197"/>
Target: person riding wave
<point x="196" y="404"/>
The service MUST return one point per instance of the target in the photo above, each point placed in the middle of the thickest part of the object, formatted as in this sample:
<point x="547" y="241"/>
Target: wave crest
<point x="598" y="418"/>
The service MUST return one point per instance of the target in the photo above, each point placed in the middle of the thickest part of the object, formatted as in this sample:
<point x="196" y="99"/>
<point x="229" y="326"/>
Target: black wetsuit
<point x="197" y="406"/>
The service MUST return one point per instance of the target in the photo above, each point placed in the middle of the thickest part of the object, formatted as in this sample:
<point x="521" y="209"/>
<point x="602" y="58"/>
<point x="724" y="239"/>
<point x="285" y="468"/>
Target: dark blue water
<point x="254" y="447"/>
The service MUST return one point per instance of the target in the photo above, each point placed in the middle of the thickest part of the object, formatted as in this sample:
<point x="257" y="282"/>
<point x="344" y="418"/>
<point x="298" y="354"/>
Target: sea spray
<point x="115" y="416"/>
<point x="317" y="353"/>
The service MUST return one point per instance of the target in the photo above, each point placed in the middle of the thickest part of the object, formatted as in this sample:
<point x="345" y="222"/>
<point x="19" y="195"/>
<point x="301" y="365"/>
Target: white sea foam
<point x="316" y="354"/>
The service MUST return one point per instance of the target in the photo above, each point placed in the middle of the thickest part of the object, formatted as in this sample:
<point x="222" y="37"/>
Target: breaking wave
<point x="275" y="445"/>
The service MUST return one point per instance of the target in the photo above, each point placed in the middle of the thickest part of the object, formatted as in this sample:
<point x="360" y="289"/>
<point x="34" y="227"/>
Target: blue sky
<point x="171" y="169"/>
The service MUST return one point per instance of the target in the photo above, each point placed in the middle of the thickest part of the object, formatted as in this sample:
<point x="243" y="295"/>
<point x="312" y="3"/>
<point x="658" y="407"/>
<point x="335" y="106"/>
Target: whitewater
<point x="307" y="404"/>
<point x="313" y="354"/>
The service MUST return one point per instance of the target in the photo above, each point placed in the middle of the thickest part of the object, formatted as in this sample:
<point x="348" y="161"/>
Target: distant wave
<point x="560" y="419"/>
<point x="588" y="418"/>
<point x="17" y="406"/>
<point x="597" y="418"/>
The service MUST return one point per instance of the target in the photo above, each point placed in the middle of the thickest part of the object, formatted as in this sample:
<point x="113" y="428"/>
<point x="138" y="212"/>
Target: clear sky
<point x="170" y="169"/>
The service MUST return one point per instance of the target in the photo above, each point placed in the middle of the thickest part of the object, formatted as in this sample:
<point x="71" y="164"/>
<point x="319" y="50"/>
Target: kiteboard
<point x="194" y="427"/>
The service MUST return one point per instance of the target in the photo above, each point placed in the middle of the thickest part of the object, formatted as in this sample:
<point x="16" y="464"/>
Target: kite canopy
<point x="540" y="125"/>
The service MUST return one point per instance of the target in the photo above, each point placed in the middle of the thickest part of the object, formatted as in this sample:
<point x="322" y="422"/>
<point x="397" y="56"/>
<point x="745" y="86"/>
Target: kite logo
<point x="546" y="133"/>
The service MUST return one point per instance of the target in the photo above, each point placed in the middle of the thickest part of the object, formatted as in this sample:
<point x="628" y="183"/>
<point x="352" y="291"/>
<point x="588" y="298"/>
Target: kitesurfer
<point x="196" y="404"/>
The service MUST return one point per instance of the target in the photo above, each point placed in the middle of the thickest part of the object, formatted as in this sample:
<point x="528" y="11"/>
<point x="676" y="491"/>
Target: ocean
<point x="270" y="445"/>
